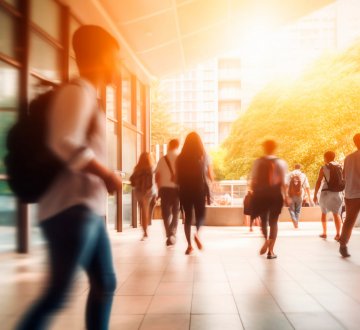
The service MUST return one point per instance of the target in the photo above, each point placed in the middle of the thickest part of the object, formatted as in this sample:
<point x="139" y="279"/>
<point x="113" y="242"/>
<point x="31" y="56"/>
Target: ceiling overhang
<point x="163" y="37"/>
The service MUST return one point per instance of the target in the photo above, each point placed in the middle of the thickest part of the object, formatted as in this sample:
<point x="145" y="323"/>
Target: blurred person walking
<point x="72" y="210"/>
<point x="297" y="183"/>
<point x="269" y="193"/>
<point x="165" y="177"/>
<point x="331" y="182"/>
<point x="193" y="170"/>
<point x="352" y="195"/>
<point x="142" y="180"/>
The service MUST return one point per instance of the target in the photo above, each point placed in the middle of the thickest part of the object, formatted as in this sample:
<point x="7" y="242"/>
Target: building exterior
<point x="35" y="50"/>
<point x="207" y="99"/>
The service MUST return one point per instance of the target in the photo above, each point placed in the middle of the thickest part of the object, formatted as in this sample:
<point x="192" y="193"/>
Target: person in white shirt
<point x="165" y="176"/>
<point x="330" y="201"/>
<point x="297" y="182"/>
<point x="352" y="195"/>
<point x="72" y="211"/>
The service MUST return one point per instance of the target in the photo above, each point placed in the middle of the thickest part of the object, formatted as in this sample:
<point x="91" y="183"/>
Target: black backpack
<point x="336" y="181"/>
<point x="30" y="165"/>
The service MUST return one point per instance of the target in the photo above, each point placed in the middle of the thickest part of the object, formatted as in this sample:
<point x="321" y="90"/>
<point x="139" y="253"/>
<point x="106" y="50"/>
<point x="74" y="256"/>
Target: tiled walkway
<point x="228" y="286"/>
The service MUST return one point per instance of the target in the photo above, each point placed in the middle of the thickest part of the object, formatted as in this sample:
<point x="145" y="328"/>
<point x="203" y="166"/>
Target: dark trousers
<point x="352" y="207"/>
<point x="268" y="206"/>
<point x="76" y="237"/>
<point x="192" y="200"/>
<point x="170" y="206"/>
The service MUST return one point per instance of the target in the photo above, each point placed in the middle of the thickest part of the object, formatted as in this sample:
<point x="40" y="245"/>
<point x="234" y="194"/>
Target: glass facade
<point x="9" y="96"/>
<point x="48" y="59"/>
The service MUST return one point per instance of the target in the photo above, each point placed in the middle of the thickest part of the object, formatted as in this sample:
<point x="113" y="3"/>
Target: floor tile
<point x="215" y="322"/>
<point x="311" y="321"/>
<point x="170" y="304"/>
<point x="166" y="321"/>
<point x="213" y="304"/>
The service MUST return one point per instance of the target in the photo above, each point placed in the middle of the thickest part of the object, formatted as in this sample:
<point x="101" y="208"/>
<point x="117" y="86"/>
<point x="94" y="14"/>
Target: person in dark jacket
<point x="193" y="171"/>
<point x="143" y="182"/>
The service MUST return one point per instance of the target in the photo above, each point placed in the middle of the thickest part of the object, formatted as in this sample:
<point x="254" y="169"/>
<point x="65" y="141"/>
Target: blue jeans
<point x="295" y="208"/>
<point x="76" y="237"/>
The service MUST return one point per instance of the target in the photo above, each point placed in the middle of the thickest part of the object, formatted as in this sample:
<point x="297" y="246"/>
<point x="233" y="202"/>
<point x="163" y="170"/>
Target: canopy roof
<point x="162" y="37"/>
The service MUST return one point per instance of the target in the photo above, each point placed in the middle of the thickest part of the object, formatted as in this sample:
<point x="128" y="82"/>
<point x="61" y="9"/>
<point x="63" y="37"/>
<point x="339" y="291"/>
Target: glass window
<point x="129" y="150"/>
<point x="126" y="96"/>
<point x="9" y="93"/>
<point x="111" y="102"/>
<point x="44" y="58"/>
<point x="140" y="105"/>
<point x="47" y="15"/>
<point x="127" y="204"/>
<point x="7" y="34"/>
<point x="112" y="145"/>
<point x="74" y="25"/>
<point x="14" y="3"/>
<point x="73" y="69"/>
<point x="9" y="87"/>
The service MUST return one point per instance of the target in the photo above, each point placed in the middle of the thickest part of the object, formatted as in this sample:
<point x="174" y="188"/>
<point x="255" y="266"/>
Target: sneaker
<point x="189" y="250"/>
<point x="271" y="256"/>
<point x="198" y="243"/>
<point x="344" y="251"/>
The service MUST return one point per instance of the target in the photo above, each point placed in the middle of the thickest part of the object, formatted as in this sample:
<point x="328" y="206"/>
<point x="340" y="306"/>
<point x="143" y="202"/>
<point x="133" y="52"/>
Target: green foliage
<point x="162" y="126"/>
<point x="307" y="116"/>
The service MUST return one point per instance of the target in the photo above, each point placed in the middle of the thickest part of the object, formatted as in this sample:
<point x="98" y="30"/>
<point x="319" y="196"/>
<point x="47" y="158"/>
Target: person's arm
<point x="210" y="173"/>
<point x="317" y="185"/>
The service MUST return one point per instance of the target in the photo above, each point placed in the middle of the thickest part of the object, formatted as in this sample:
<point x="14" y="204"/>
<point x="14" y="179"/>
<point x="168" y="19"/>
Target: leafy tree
<point x="316" y="112"/>
<point x="163" y="128"/>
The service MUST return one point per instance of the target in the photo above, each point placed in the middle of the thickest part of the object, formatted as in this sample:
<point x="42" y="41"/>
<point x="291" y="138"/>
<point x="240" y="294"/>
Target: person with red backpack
<point x="332" y="184"/>
<point x="297" y="182"/>
<point x="269" y="194"/>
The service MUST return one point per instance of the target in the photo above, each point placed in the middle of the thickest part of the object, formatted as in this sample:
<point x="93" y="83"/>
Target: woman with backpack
<point x="143" y="182"/>
<point x="192" y="171"/>
<point x="331" y="181"/>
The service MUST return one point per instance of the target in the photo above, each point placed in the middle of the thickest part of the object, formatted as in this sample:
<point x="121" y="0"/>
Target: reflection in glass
<point x="7" y="34"/>
<point x="9" y="87"/>
<point x="44" y="59"/>
<point x="127" y="207"/>
<point x="7" y="218"/>
<point x="129" y="150"/>
<point x="47" y="15"/>
<point x="110" y="102"/>
<point x="126" y="96"/>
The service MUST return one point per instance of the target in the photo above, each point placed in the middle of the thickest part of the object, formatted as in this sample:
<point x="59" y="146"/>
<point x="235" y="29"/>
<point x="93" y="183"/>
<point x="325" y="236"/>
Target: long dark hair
<point x="145" y="162"/>
<point x="193" y="148"/>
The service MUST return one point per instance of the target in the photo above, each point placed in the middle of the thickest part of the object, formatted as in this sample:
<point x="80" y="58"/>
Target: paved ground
<point x="228" y="286"/>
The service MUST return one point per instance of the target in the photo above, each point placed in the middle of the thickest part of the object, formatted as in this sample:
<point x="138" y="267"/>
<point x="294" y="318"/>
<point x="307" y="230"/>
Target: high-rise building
<point x="193" y="101"/>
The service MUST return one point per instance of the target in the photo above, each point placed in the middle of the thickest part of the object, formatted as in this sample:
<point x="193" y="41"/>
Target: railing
<point x="228" y="192"/>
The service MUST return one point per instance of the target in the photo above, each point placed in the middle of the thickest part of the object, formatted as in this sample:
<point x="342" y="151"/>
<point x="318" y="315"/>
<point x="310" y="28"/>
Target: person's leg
<point x="264" y="229"/>
<point x="337" y="222"/>
<point x="273" y="222"/>
<point x="175" y="207"/>
<point x="99" y="268"/>
<point x="200" y="209"/>
<point x="187" y="205"/>
<point x="166" y="210"/>
<point x="324" y="225"/>
<point x="352" y="210"/>
<point x="144" y="207"/>
<point x="292" y="211"/>
<point x="298" y="204"/>
<point x="69" y="236"/>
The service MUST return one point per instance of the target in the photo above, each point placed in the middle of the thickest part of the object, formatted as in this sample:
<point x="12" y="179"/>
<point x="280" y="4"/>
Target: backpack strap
<point x="170" y="167"/>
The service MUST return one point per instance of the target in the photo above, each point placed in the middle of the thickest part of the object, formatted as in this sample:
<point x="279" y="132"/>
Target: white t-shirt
<point x="74" y="107"/>
<point x="352" y="175"/>
<point x="163" y="171"/>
